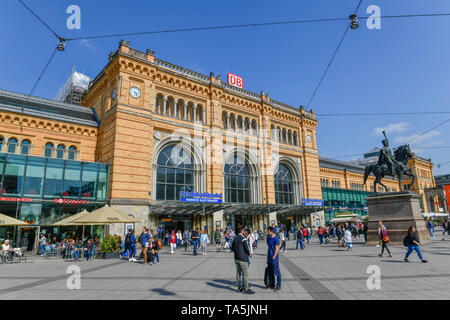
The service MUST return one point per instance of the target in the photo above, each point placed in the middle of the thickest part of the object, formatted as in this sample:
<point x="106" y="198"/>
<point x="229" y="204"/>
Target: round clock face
<point x="135" y="92"/>
<point x="308" y="138"/>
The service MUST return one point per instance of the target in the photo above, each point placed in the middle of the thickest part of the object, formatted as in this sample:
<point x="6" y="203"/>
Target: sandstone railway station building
<point x="175" y="148"/>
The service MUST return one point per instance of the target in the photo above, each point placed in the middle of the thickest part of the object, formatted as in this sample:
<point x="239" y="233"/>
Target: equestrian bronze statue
<point x="391" y="165"/>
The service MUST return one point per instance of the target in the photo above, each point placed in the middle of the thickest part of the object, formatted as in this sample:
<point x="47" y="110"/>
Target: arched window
<point x="60" y="151"/>
<point x="12" y="143"/>
<point x="284" y="185"/>
<point x="237" y="180"/>
<point x="25" y="147"/>
<point x="48" y="150"/>
<point x="71" y="155"/>
<point x="175" y="173"/>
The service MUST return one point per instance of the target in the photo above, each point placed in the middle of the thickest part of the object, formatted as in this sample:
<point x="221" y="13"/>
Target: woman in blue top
<point x="145" y="239"/>
<point x="204" y="240"/>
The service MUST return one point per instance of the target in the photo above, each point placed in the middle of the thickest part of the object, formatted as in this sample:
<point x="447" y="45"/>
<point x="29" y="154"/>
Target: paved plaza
<point x="317" y="273"/>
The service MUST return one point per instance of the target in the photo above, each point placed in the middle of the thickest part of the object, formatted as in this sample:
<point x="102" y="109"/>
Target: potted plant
<point x="108" y="247"/>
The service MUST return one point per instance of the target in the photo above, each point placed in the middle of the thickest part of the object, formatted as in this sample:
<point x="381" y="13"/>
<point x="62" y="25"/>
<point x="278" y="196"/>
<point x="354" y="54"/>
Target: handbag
<point x="385" y="239"/>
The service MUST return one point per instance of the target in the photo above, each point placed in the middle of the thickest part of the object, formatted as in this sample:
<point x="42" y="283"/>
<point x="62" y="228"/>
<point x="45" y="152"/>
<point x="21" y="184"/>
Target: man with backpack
<point x="195" y="236"/>
<point x="241" y="250"/>
<point x="217" y="239"/>
<point x="413" y="244"/>
<point x="186" y="236"/>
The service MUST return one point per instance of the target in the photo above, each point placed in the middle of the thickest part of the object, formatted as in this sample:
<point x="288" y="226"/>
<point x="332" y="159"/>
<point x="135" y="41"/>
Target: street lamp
<point x="354" y="21"/>
<point x="61" y="44"/>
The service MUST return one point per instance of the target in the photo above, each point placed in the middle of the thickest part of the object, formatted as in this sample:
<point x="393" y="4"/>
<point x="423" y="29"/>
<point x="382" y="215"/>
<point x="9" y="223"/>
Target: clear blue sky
<point x="402" y="67"/>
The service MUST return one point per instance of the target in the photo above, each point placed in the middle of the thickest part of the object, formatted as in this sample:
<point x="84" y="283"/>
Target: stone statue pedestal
<point x="398" y="211"/>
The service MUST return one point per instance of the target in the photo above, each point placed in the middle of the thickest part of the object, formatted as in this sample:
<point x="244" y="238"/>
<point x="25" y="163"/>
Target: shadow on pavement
<point x="163" y="292"/>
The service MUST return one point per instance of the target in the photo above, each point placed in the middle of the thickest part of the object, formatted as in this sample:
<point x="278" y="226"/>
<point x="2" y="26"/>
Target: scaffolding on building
<point x="74" y="88"/>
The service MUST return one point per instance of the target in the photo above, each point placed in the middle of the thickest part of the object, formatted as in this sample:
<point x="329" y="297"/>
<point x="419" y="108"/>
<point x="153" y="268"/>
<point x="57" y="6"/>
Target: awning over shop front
<point x="182" y="208"/>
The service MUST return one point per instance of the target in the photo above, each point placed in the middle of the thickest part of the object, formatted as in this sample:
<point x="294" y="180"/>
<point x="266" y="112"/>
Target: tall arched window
<point x="71" y="155"/>
<point x="25" y="147"/>
<point x="237" y="180"/>
<point x="12" y="144"/>
<point x="284" y="185"/>
<point x="60" y="151"/>
<point x="48" y="150"/>
<point x="175" y="173"/>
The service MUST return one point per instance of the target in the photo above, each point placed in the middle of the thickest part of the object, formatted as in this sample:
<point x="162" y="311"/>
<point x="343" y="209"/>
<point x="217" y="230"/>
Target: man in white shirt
<point x="348" y="239"/>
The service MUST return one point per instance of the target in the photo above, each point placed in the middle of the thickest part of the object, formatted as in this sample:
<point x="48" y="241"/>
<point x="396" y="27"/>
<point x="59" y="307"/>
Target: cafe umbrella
<point x="69" y="220"/>
<point x="105" y="215"/>
<point x="6" y="221"/>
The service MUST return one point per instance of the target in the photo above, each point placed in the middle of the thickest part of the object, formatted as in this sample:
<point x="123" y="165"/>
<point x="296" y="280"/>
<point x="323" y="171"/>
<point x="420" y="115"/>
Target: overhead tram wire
<point x="39" y="18"/>
<point x="380" y="114"/>
<point x="332" y="57"/>
<point x="42" y="72"/>
<point x="249" y="25"/>
<point x="360" y="154"/>
<point x="424" y="133"/>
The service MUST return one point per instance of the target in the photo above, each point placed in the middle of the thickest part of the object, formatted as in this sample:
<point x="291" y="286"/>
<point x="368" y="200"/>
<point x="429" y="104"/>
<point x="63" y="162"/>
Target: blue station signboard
<point x="312" y="202"/>
<point x="201" y="197"/>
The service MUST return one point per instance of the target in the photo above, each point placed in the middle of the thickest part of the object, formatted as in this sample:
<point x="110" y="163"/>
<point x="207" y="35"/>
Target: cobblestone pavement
<point x="318" y="272"/>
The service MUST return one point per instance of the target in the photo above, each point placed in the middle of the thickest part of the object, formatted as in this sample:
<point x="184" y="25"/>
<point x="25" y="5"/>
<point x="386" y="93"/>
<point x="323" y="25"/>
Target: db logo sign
<point x="235" y="80"/>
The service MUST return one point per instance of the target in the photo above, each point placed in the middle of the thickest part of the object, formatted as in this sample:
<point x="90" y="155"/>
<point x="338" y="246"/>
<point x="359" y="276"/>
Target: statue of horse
<point x="402" y="154"/>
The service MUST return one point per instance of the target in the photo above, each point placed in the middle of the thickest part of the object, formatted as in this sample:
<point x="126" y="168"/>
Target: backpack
<point x="406" y="241"/>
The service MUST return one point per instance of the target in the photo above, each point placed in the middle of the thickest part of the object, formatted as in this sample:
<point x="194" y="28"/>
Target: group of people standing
<point x="242" y="247"/>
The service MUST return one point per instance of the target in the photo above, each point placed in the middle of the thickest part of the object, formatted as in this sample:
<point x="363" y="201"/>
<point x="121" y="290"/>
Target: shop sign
<point x="235" y="80"/>
<point x="202" y="197"/>
<point x="312" y="202"/>
<point x="447" y="194"/>
<point x="70" y="201"/>
<point x="166" y="220"/>
<point x="15" y="199"/>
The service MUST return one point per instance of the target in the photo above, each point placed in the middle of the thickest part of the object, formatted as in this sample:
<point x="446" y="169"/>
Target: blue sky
<point x="403" y="67"/>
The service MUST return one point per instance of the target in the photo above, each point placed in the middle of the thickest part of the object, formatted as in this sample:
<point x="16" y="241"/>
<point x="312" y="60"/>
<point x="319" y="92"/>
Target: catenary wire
<point x="250" y="25"/>
<point x="380" y="114"/>
<point x="429" y="130"/>
<point x="332" y="58"/>
<point x="39" y="18"/>
<point x="43" y="71"/>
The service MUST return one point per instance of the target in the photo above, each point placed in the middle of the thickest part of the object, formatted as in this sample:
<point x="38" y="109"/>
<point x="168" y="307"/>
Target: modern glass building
<point x="338" y="200"/>
<point x="42" y="191"/>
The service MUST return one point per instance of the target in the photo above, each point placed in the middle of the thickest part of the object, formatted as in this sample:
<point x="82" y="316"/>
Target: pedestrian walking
<point x="283" y="241"/>
<point x="445" y="226"/>
<point x="299" y="238"/>
<point x="320" y="234"/>
<point x="145" y="242"/>
<point x="194" y="237"/>
<point x="348" y="239"/>
<point x="256" y="235"/>
<point x="172" y="241"/>
<point x="186" y="237"/>
<point x="273" y="249"/>
<point x="430" y="227"/>
<point x="204" y="240"/>
<point x="154" y="250"/>
<point x="382" y="232"/>
<point x="217" y="239"/>
<point x="179" y="239"/>
<point x="42" y="243"/>
<point x="130" y="244"/>
<point x="231" y="236"/>
<point x="365" y="229"/>
<point x="241" y="251"/>
<point x="413" y="244"/>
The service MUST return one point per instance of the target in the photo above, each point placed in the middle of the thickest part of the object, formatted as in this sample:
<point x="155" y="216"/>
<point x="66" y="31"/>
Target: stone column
<point x="242" y="125"/>
<point x="228" y="122"/>
<point x="204" y="115"/>
<point x="165" y="105"/>
<point x="185" y="110"/>
<point x="195" y="113"/>
<point x="175" y="108"/>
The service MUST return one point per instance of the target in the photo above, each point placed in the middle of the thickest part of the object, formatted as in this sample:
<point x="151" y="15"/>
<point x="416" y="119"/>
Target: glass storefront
<point x="41" y="191"/>
<point x="337" y="200"/>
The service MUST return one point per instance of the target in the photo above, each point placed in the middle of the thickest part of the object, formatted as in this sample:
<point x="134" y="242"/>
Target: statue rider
<point x="386" y="156"/>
